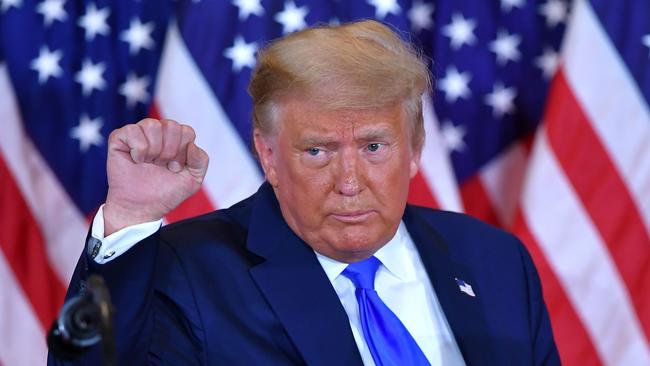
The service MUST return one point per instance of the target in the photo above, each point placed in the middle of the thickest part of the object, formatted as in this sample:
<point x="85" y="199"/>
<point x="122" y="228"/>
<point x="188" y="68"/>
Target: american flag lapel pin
<point x="465" y="287"/>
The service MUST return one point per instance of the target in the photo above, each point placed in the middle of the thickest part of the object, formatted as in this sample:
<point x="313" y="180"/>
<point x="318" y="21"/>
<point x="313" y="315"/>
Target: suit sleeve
<point x="544" y="349"/>
<point x="150" y="327"/>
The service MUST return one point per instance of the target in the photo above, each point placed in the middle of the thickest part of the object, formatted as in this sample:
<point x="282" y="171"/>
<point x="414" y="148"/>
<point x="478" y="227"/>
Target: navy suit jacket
<point x="238" y="287"/>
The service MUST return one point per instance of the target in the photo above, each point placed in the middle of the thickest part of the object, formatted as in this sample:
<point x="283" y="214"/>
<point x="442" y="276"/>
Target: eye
<point x="374" y="147"/>
<point x="313" y="151"/>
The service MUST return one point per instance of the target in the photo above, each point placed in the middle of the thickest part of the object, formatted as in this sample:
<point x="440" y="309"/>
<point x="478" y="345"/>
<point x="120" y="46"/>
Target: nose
<point x="349" y="180"/>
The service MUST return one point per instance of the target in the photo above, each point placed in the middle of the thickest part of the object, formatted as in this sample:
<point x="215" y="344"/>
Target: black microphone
<point x="84" y="321"/>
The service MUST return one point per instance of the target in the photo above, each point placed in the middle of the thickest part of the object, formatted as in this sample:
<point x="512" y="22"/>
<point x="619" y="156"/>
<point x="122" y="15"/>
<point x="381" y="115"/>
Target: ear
<point x="414" y="164"/>
<point x="266" y="151"/>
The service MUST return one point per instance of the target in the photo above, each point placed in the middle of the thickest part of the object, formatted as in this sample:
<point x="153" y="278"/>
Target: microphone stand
<point x="102" y="300"/>
<point x="84" y="321"/>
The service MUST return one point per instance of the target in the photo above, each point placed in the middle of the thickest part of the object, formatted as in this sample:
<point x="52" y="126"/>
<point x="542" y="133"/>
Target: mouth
<point x="352" y="217"/>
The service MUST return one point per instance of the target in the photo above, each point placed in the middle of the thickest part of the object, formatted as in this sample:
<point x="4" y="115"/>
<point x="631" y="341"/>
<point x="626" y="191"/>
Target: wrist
<point x="117" y="217"/>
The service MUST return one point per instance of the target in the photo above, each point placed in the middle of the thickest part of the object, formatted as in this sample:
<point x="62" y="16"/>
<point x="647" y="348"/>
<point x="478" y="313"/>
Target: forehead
<point x="298" y="114"/>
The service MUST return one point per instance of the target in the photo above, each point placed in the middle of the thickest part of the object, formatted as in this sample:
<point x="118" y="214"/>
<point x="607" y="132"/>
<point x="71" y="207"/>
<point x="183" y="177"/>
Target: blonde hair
<point x="357" y="65"/>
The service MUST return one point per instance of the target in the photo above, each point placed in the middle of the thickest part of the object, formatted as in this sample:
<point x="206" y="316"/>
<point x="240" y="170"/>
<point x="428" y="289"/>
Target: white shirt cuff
<point x="104" y="250"/>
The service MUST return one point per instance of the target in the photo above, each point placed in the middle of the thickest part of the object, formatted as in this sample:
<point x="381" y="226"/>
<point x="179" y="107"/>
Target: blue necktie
<point x="389" y="341"/>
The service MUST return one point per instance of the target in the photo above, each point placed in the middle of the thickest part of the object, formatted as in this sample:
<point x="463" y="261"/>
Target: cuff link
<point x="109" y="254"/>
<point x="94" y="245"/>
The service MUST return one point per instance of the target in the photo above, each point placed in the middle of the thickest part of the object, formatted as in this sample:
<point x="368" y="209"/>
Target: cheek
<point x="306" y="190"/>
<point x="390" y="175"/>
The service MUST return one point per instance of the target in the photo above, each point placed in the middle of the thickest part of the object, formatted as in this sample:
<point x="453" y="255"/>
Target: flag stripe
<point x="57" y="217"/>
<point x="548" y="204"/>
<point x="183" y="94"/>
<point x="477" y="202"/>
<point x="573" y="342"/>
<point x="611" y="101"/>
<point x="22" y="336"/>
<point x="420" y="193"/>
<point x="196" y="204"/>
<point x="435" y="167"/>
<point x="501" y="180"/>
<point x="22" y="244"/>
<point x="603" y="193"/>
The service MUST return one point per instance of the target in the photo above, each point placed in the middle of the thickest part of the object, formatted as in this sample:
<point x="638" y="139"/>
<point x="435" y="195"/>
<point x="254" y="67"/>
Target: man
<point x="325" y="264"/>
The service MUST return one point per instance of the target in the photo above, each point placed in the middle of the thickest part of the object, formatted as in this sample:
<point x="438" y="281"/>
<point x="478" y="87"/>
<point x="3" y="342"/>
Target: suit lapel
<point x="297" y="288"/>
<point x="463" y="312"/>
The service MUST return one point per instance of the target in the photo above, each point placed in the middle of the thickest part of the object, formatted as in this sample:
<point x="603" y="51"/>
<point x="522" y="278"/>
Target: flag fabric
<point x="538" y="122"/>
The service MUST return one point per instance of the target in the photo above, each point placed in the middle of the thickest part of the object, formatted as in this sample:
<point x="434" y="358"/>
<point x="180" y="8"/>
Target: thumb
<point x="197" y="160"/>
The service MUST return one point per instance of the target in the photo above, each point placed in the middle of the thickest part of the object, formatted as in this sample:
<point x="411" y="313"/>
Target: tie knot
<point x="362" y="273"/>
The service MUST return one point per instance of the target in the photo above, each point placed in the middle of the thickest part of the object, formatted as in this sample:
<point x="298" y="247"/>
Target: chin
<point x="357" y="242"/>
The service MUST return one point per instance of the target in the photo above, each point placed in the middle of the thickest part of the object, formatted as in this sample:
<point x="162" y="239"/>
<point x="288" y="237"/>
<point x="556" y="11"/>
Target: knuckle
<point x="136" y="139"/>
<point x="188" y="132"/>
<point x="150" y="126"/>
<point x="114" y="135"/>
<point x="148" y="121"/>
<point x="169" y="122"/>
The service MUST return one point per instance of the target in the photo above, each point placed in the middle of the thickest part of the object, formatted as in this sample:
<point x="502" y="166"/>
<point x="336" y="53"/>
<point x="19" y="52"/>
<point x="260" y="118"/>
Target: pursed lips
<point x="352" y="216"/>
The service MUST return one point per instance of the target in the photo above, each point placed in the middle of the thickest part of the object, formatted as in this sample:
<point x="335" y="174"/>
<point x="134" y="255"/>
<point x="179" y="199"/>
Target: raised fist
<point x="152" y="167"/>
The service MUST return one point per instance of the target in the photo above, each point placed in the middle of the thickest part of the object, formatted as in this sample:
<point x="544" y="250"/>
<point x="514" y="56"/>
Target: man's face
<point x="341" y="176"/>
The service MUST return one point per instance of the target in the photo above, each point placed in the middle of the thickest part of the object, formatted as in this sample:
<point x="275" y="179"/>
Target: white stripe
<point x="435" y="165"/>
<point x="612" y="101"/>
<point x="22" y="340"/>
<point x="62" y="225"/>
<point x="502" y="179"/>
<point x="183" y="95"/>
<point x="581" y="261"/>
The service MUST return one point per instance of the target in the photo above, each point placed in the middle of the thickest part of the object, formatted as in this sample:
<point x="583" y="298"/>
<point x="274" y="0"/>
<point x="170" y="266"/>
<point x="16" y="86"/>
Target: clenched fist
<point x="152" y="167"/>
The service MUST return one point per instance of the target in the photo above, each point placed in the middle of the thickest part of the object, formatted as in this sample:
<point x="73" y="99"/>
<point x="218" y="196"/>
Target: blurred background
<point x="538" y="123"/>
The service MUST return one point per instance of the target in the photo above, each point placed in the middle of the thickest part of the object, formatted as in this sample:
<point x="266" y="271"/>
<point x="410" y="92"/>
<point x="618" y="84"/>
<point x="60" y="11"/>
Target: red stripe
<point x="571" y="338"/>
<point x="154" y="111"/>
<point x="603" y="193"/>
<point x="24" y="247"/>
<point x="420" y="193"/>
<point x="477" y="202"/>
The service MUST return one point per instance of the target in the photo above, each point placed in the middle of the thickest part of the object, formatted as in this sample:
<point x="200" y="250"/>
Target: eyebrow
<point x="311" y="140"/>
<point x="369" y="134"/>
<point x="375" y="134"/>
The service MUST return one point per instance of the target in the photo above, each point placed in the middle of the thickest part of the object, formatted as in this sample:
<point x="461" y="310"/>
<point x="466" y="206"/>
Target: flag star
<point x="505" y="47"/>
<point x="646" y="40"/>
<point x="5" y="5"/>
<point x="507" y="5"/>
<point x="460" y="31"/>
<point x="292" y="18"/>
<point x="47" y="64"/>
<point x="334" y="21"/>
<point x="52" y="10"/>
<point x="385" y="7"/>
<point x="420" y="15"/>
<point x="90" y="77"/>
<point x="241" y="53"/>
<point x="453" y="136"/>
<point x="248" y="7"/>
<point x="555" y="12"/>
<point x="455" y="84"/>
<point x="87" y="132"/>
<point x="547" y="62"/>
<point x="94" y="21"/>
<point x="134" y="90"/>
<point x="501" y="100"/>
<point x="138" y="36"/>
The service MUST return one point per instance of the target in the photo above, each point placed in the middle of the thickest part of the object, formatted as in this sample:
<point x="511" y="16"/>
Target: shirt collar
<point x="394" y="255"/>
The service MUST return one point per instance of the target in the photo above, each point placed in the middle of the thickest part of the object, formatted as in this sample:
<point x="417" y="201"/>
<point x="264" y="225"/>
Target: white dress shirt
<point x="404" y="286"/>
<point x="401" y="282"/>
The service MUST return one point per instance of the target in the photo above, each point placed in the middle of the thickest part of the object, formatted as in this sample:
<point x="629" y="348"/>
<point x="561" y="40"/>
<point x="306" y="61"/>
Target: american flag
<point x="539" y="123"/>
